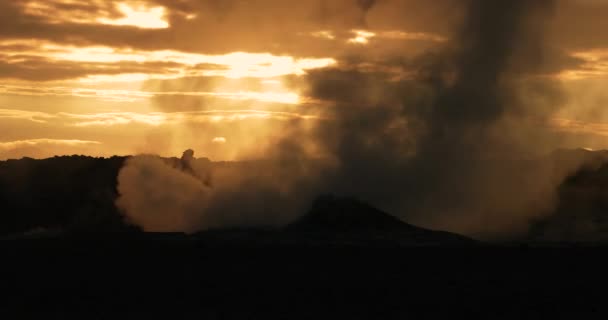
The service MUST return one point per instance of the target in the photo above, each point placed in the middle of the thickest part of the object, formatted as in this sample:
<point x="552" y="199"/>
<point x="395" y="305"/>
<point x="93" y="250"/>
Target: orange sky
<point x="105" y="77"/>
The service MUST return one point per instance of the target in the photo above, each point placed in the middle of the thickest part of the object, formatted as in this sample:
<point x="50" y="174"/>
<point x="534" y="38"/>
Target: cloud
<point x="34" y="142"/>
<point x="225" y="27"/>
<point x="361" y="37"/>
<point x="177" y="118"/>
<point x="141" y="17"/>
<point x="44" y="60"/>
<point x="151" y="118"/>
<point x="577" y="126"/>
<point x="593" y="64"/>
<point x="34" y="116"/>
<point x="272" y="95"/>
<point x="126" y="13"/>
<point x="220" y="140"/>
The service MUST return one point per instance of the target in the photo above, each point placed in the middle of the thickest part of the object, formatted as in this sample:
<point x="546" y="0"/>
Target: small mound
<point x="334" y="213"/>
<point x="348" y="218"/>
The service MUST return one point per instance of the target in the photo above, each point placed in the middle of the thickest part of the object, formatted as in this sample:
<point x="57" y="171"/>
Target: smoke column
<point x="449" y="148"/>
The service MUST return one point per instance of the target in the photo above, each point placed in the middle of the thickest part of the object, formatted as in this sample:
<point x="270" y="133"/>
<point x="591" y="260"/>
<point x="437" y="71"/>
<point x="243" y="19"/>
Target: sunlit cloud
<point x="52" y="10"/>
<point x="34" y="116"/>
<point x="219" y="140"/>
<point x="361" y="37"/>
<point x="65" y="91"/>
<point x="230" y="65"/>
<point x="125" y="77"/>
<point x="364" y="36"/>
<point x="402" y="35"/>
<point x="595" y="65"/>
<point x="125" y="13"/>
<point x="277" y="97"/>
<point x="116" y="95"/>
<point x="35" y="142"/>
<point x="576" y="126"/>
<point x="109" y="119"/>
<point x="236" y="115"/>
<point x="324" y="34"/>
<point x="164" y="118"/>
<point x="140" y="16"/>
<point x="115" y="118"/>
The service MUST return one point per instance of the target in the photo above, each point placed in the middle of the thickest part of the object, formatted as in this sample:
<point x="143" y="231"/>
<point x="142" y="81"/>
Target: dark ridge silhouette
<point x="76" y="195"/>
<point x="61" y="193"/>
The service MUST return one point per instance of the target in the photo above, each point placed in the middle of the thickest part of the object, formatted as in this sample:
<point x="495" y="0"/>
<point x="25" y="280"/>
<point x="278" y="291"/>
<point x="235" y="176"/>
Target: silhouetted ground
<point x="67" y="193"/>
<point x="177" y="277"/>
<point x="344" y="259"/>
<point x="77" y="194"/>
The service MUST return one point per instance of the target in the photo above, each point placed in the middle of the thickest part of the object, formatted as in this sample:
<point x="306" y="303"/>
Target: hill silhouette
<point x="347" y="219"/>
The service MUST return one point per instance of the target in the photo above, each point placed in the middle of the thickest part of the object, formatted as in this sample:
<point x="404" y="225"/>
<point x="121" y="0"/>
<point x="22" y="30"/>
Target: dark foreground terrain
<point x="78" y="193"/>
<point x="343" y="260"/>
<point x="174" y="276"/>
<point x="66" y="251"/>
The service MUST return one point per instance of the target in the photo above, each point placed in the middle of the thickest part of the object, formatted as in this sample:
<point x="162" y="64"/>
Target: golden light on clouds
<point x="139" y="16"/>
<point x="364" y="36"/>
<point x="325" y="34"/>
<point x="361" y="37"/>
<point x="284" y="97"/>
<point x="108" y="119"/>
<point x="50" y="10"/>
<point x="93" y="70"/>
<point x="34" y="116"/>
<point x="36" y="142"/>
<point x="126" y="13"/>
<point x="402" y="35"/>
<point x="261" y="65"/>
<point x="595" y="65"/>
<point x="104" y="64"/>
<point x="122" y="77"/>
<point x="230" y="65"/>
<point x="577" y="126"/>
<point x="219" y="140"/>
<point x="114" y="118"/>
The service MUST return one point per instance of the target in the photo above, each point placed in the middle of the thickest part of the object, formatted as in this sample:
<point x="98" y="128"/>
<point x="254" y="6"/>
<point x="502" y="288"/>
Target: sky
<point x="226" y="78"/>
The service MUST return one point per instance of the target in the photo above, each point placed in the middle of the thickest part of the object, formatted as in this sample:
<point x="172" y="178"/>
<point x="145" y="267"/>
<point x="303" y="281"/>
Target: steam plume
<point x="450" y="147"/>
